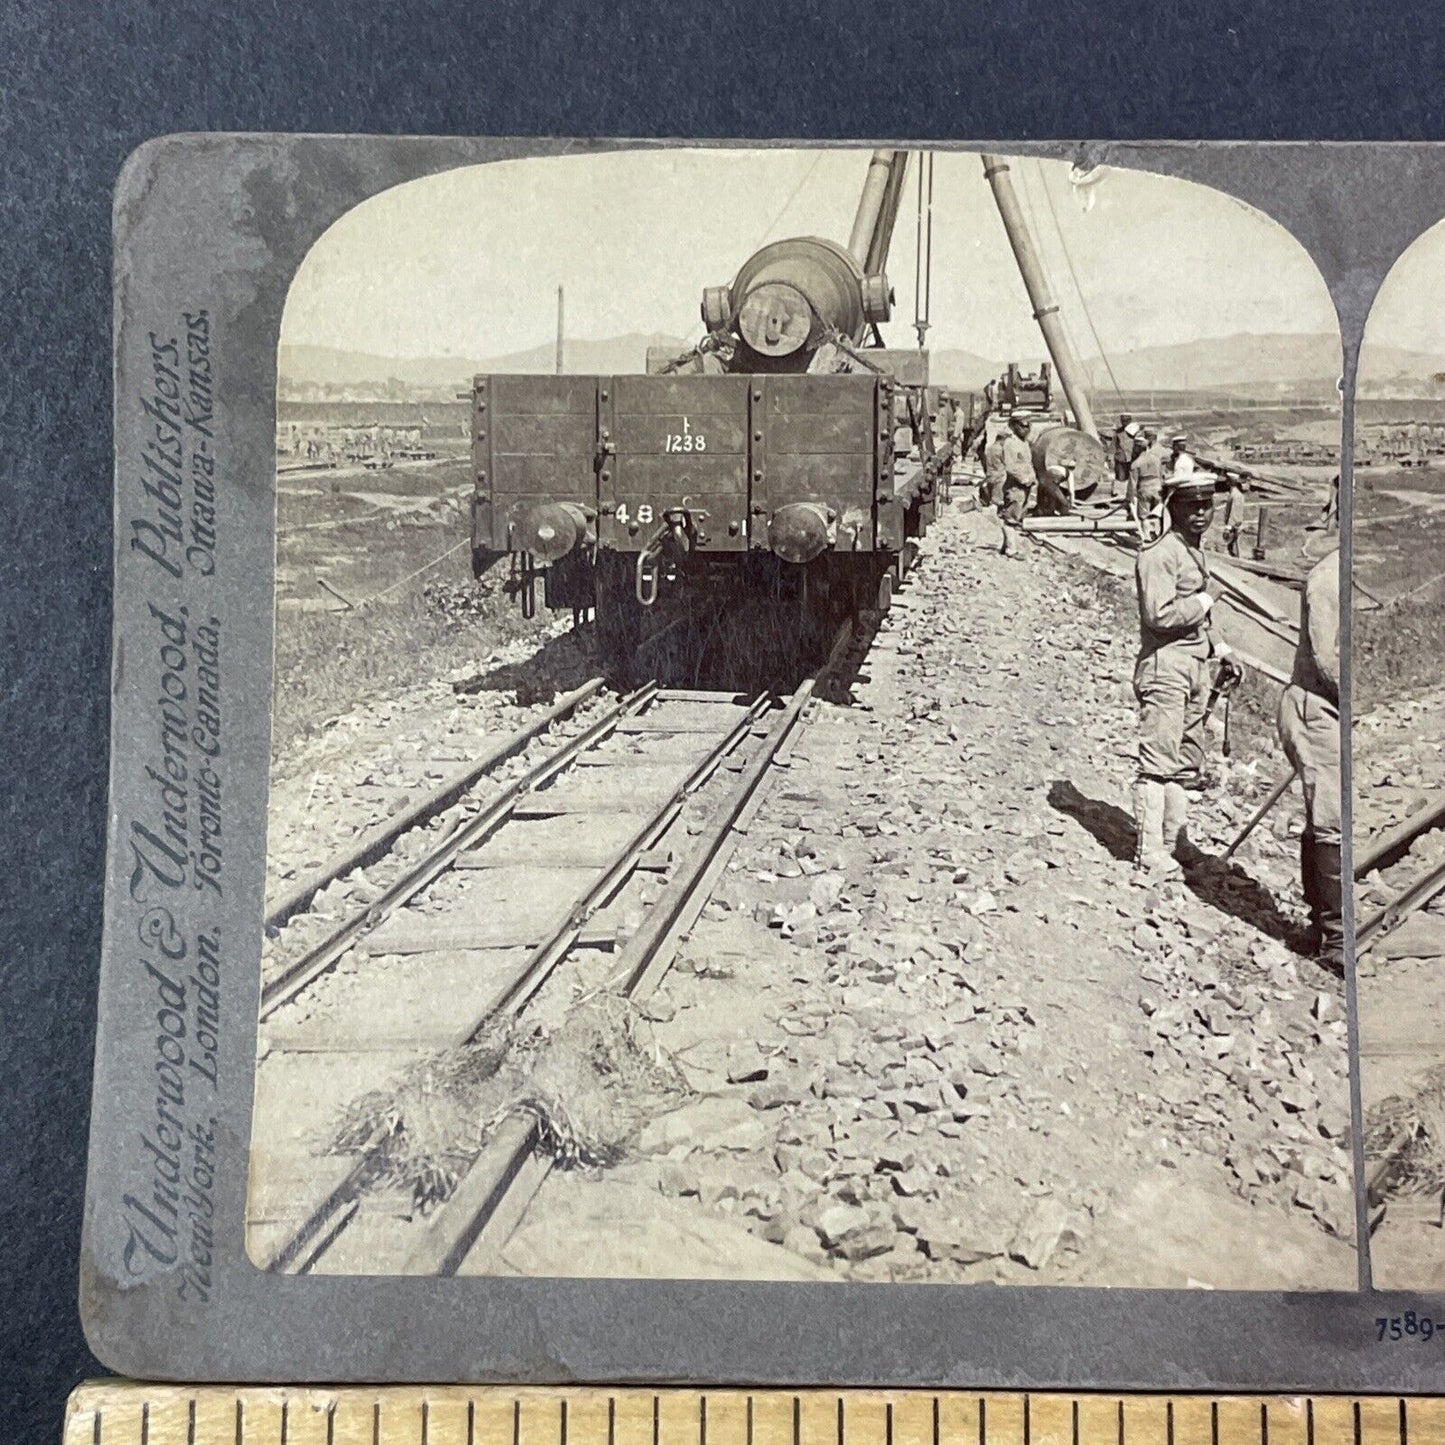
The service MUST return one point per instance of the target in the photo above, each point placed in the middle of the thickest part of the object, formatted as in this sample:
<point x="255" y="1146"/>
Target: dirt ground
<point x="1399" y="758"/>
<point x="394" y="544"/>
<point x="936" y="1032"/>
<point x="933" y="1030"/>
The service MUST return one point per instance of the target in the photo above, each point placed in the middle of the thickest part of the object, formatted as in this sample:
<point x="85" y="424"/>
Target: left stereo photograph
<point x="706" y="735"/>
<point x="751" y="745"/>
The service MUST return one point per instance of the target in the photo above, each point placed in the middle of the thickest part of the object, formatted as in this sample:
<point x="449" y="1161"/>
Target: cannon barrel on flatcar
<point x="765" y="458"/>
<point x="792" y="296"/>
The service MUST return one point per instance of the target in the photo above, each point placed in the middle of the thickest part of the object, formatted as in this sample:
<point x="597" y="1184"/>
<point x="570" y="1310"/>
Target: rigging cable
<point x="1079" y="290"/>
<point x="766" y="232"/>
<point x="793" y="196"/>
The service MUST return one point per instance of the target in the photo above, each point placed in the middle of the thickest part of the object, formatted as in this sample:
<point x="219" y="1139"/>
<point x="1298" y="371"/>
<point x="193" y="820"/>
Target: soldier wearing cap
<point x="1171" y="677"/>
<point x="990" y="490"/>
<point x="1179" y="462"/>
<point x="1019" y="479"/>
<point x="943" y="422"/>
<point x="1126" y="446"/>
<point x="1309" y="729"/>
<point x="1144" y="498"/>
<point x="1056" y="490"/>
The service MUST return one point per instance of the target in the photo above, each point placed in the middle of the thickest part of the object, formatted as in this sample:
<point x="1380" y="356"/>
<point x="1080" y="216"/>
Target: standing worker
<point x="1144" y="499"/>
<point x="1309" y="729"/>
<point x="962" y="424"/>
<point x="943" y="422"/>
<point x="991" y="489"/>
<point x="1018" y="481"/>
<point x="1179" y="463"/>
<point x="1124" y="435"/>
<point x="1171" y="677"/>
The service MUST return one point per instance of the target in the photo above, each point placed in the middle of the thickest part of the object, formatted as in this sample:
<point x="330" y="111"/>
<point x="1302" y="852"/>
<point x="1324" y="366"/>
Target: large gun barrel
<point x="790" y="297"/>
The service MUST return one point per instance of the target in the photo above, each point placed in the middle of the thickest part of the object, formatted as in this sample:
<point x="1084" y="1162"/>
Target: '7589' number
<point x="1406" y="1326"/>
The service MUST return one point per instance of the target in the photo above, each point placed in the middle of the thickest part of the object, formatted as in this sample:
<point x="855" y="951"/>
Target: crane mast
<point x="1046" y="309"/>
<point x="877" y="210"/>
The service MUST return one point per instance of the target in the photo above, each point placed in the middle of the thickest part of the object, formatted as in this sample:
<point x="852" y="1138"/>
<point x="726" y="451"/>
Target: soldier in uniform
<point x="991" y="489"/>
<point x="1171" y="678"/>
<point x="1124" y="449"/>
<point x="943" y="423"/>
<point x="1144" y="498"/>
<point x="1309" y="729"/>
<point x="1018" y="481"/>
<point x="1178" y="463"/>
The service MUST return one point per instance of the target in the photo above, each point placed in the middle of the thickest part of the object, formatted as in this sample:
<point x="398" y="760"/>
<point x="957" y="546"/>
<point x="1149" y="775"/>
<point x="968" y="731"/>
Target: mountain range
<point x="1241" y="361"/>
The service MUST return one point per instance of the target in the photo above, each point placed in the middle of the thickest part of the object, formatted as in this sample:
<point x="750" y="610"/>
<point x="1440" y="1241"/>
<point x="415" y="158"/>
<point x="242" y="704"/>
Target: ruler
<point x="120" y="1412"/>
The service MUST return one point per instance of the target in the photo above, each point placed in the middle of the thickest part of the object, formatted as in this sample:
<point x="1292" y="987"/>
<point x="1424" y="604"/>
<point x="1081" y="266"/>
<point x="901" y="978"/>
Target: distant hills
<point x="1240" y="362"/>
<point x="324" y="366"/>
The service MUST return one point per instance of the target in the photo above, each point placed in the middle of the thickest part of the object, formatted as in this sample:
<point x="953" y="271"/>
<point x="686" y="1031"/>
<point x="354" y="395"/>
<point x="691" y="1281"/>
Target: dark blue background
<point x="82" y="84"/>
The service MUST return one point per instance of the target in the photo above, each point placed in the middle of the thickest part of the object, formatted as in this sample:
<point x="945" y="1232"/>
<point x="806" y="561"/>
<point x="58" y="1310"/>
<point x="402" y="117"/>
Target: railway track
<point x="597" y="853"/>
<point x="1402" y="1041"/>
<point x="1386" y="849"/>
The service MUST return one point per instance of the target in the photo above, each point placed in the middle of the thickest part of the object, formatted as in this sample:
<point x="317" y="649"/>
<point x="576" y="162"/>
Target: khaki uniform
<point x="1171" y="677"/>
<point x="993" y="471"/>
<point x="1125" y="450"/>
<point x="1309" y="711"/>
<point x="1018" y="479"/>
<point x="1145" y="498"/>
<point x="943" y="425"/>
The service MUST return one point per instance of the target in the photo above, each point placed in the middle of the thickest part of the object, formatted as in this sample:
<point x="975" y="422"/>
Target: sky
<point x="1407" y="311"/>
<point x="467" y="262"/>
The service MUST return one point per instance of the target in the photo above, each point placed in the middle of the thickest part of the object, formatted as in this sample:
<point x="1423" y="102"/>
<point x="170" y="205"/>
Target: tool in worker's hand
<point x="1275" y="794"/>
<point x="1226" y="683"/>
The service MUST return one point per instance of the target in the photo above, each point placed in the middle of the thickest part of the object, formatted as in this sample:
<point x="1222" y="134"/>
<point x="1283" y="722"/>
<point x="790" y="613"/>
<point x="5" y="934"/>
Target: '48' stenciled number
<point x="643" y="514"/>
<point x="685" y="442"/>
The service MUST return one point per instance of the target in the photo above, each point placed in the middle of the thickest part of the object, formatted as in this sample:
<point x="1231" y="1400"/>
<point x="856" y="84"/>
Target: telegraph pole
<point x="559" y="331"/>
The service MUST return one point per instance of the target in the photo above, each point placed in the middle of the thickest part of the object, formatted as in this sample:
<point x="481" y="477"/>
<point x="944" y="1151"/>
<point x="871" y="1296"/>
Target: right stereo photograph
<point x="1398" y="693"/>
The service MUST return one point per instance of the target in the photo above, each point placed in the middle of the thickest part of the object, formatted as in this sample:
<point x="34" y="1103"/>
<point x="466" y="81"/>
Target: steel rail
<point x="494" y="1193"/>
<point x="376" y="842"/>
<point x="305" y="970"/>
<point x="318" y="1232"/>
<point x="300" y="1251"/>
<point x="565" y="935"/>
<point x="1409" y="900"/>
<point x="1389" y="845"/>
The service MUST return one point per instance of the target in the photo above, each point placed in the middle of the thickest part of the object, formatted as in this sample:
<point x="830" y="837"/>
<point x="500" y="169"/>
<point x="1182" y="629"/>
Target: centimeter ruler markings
<point x="126" y="1413"/>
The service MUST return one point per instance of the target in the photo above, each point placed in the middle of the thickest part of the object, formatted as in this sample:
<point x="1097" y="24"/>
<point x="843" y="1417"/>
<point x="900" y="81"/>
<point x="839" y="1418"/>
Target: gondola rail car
<point x="590" y="482"/>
